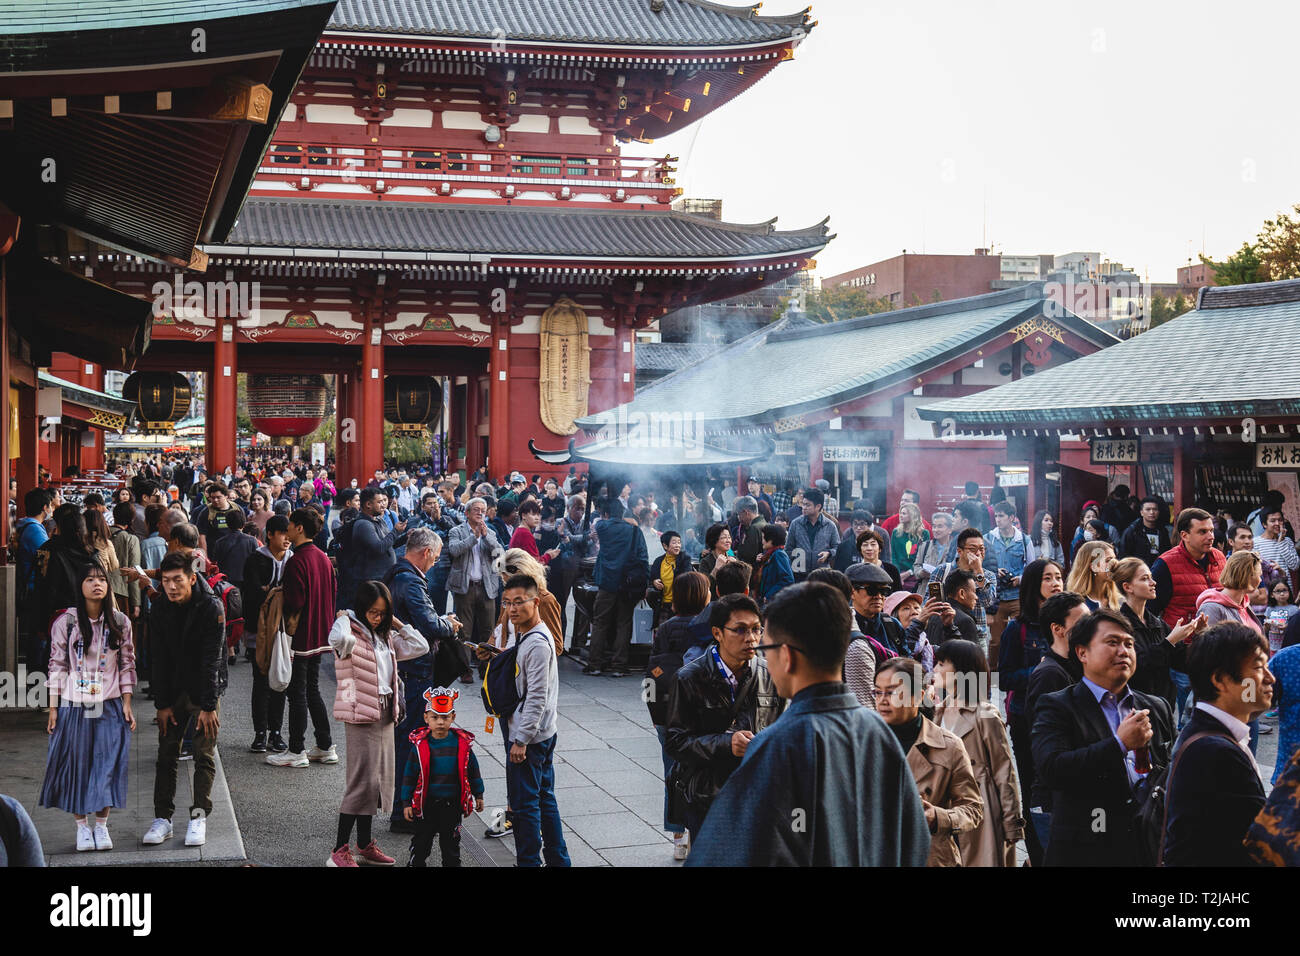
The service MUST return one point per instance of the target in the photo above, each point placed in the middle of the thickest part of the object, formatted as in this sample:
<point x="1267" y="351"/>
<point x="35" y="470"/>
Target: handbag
<point x="281" y="670"/>
<point x="643" y="619"/>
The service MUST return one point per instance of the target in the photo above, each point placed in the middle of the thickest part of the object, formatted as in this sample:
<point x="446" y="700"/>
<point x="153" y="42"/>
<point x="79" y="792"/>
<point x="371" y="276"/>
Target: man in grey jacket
<point x="473" y="583"/>
<point x="813" y="537"/>
<point x="531" y="731"/>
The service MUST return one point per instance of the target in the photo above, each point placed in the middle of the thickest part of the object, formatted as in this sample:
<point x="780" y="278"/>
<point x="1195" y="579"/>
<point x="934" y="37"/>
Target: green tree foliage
<point x="839" y="303"/>
<point x="1242" y="267"/>
<point x="1279" y="246"/>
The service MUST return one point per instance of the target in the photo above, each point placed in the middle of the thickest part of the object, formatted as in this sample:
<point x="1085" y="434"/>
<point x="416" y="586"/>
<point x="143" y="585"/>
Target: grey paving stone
<point x="581" y="714"/>
<point x="581" y="801"/>
<point x="604" y="830"/>
<point x="645" y="746"/>
<point x="571" y="740"/>
<point x="619" y="783"/>
<point x="598" y="760"/>
<point x="580" y="853"/>
<point x="619" y="729"/>
<point x="654" y="764"/>
<point x="648" y="806"/>
<point x="641" y="855"/>
<point x="567" y="775"/>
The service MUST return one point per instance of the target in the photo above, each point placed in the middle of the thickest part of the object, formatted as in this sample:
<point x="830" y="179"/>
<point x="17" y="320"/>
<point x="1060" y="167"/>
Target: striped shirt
<point x="444" y="777"/>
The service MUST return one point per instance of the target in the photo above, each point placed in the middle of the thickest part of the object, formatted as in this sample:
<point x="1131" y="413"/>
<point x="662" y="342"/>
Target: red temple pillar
<point x="223" y="398"/>
<point x="624" y="357"/>
<point x="815" y="466"/>
<point x="344" y="469"/>
<point x="473" y="416"/>
<point x="370" y="402"/>
<point x="29" y="441"/>
<point x="499" y="400"/>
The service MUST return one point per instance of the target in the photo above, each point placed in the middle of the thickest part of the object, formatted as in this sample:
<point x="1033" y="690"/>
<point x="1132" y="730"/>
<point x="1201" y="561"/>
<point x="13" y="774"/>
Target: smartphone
<point x="935" y="591"/>
<point x="490" y="648"/>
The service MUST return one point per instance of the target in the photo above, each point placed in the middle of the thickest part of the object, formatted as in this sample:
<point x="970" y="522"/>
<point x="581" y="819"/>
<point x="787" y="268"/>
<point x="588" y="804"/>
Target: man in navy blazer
<point x="1215" y="790"/>
<point x="1095" y="745"/>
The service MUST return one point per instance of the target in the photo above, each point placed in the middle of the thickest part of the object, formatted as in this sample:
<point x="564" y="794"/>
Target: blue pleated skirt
<point x="88" y="759"/>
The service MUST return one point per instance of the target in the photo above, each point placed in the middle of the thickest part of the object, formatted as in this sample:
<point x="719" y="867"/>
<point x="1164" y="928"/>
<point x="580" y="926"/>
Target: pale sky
<point x="1146" y="131"/>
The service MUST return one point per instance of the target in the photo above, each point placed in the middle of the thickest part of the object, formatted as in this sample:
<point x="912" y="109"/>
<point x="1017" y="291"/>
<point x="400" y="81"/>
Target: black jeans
<point x="441" y="819"/>
<point x="611" y="625"/>
<point x="304" y="696"/>
<point x="268" y="705"/>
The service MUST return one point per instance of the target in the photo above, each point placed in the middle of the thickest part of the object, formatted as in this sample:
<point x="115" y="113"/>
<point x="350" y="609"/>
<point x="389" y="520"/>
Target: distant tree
<point x="1279" y="246"/>
<point x="838" y="303"/>
<point x="1162" y="309"/>
<point x="1243" y="267"/>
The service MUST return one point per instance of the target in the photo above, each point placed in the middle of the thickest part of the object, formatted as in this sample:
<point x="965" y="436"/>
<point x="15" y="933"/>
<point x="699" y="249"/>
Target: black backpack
<point x="500" y="696"/>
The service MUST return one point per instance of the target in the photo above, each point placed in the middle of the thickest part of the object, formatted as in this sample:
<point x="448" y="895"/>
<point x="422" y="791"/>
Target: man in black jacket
<point x="1147" y="537"/>
<point x="1215" y="790"/>
<point x="1095" y="744"/>
<point x="188" y="629"/>
<point x="716" y="705"/>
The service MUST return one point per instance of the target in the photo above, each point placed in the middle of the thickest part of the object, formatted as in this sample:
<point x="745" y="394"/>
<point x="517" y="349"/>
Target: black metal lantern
<point x="412" y="402"/>
<point x="161" y="398"/>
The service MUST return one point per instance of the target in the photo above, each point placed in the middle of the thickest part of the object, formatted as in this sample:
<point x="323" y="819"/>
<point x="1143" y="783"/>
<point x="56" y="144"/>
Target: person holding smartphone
<point x="1160" y="648"/>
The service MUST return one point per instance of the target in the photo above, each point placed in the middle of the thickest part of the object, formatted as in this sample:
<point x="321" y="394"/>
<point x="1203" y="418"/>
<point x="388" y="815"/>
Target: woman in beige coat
<point x="961" y="678"/>
<point x="950" y="795"/>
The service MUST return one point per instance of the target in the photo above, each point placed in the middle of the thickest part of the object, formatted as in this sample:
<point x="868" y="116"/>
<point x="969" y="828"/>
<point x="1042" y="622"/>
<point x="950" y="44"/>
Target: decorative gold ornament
<point x="565" y="366"/>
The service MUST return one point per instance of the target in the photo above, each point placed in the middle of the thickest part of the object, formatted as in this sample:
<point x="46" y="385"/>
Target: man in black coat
<point x="187" y="628"/>
<point x="1147" y="537"/>
<point x="1095" y="744"/>
<point x="1215" y="790"/>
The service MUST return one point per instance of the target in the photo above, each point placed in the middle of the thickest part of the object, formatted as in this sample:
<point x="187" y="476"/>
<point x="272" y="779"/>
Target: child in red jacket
<point x="441" y="782"/>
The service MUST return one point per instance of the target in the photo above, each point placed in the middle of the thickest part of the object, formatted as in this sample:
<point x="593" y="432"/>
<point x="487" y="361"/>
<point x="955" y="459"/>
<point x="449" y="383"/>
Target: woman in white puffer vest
<point x="369" y="699"/>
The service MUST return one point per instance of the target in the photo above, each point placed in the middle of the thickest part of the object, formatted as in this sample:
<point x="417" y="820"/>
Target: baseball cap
<point x="898" y="599"/>
<point x="516" y="477"/>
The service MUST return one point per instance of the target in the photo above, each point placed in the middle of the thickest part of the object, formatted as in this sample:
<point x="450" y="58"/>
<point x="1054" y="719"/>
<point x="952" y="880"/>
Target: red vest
<point x="1189" y="581"/>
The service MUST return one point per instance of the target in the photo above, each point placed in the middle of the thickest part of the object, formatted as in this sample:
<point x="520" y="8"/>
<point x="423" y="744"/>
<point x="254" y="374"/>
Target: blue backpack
<point x="500" y="695"/>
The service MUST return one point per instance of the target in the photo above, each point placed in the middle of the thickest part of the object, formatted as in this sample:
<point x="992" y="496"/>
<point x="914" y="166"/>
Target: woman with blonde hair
<point x="1090" y="576"/>
<point x="906" y="542"/>
<point x="518" y="561"/>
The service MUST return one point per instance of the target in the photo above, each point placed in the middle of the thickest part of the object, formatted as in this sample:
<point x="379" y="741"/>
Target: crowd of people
<point x="826" y="689"/>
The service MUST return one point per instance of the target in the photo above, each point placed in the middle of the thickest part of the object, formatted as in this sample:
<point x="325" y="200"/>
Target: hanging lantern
<point x="161" y="398"/>
<point x="412" y="402"/>
<point x="286" y="406"/>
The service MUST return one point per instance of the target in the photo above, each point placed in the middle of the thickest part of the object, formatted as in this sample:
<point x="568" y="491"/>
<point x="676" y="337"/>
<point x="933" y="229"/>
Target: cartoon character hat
<point x="441" y="700"/>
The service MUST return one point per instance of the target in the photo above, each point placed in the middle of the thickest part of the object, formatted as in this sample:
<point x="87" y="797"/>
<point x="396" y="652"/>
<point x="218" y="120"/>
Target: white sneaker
<point x="681" y="846"/>
<point x="316" y="755"/>
<point x="288" y="759"/>
<point x="85" y="839"/>
<point x="102" y="840"/>
<point x="159" y="831"/>
<point x="197" y="833"/>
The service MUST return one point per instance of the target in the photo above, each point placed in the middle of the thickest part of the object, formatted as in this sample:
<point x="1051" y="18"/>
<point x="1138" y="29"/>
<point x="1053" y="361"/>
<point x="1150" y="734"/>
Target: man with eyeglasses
<point x="828" y="784"/>
<point x="970" y="553"/>
<point x="531" y="731"/>
<point x="718" y="702"/>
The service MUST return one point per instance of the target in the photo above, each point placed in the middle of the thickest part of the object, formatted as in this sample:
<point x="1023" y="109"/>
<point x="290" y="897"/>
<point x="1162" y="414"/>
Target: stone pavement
<point x="23" y="743"/>
<point x="608" y="772"/>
